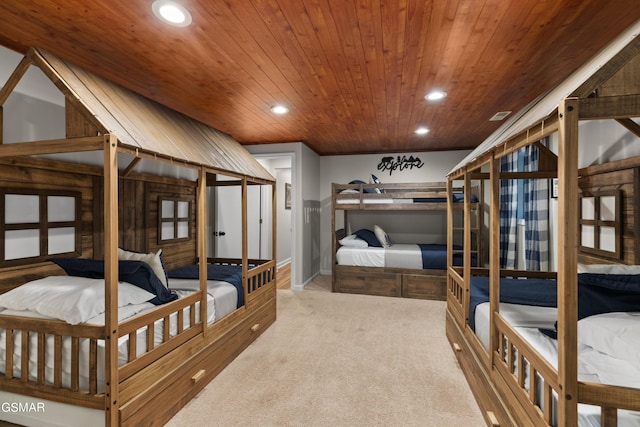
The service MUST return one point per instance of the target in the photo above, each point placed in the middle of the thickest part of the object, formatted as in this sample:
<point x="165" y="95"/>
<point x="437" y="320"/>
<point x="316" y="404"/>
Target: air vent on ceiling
<point x="500" y="115"/>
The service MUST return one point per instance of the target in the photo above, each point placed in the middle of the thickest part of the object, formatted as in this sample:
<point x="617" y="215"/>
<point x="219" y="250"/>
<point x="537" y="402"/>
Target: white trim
<point x="283" y="263"/>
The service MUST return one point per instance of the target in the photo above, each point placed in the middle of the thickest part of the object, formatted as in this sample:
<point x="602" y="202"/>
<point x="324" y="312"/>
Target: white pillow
<point x="69" y="298"/>
<point x="353" y="241"/>
<point x="152" y="259"/>
<point x="614" y="334"/>
<point x="382" y="236"/>
<point x="608" y="268"/>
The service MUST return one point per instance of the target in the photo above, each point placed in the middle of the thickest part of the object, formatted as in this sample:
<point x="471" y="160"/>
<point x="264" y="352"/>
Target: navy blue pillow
<point x="369" y="237"/>
<point x="366" y="190"/>
<point x="137" y="273"/>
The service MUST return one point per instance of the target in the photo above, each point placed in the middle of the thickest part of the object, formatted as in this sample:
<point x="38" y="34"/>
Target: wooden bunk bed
<point x="392" y="274"/>
<point x="144" y="368"/>
<point x="518" y="375"/>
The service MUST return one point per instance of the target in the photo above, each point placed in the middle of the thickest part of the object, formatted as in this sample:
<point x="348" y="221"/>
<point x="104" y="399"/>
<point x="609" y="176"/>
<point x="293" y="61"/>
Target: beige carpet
<point x="341" y="360"/>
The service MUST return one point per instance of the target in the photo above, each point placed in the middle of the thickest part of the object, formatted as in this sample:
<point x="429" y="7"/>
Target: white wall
<point x="35" y="109"/>
<point x="280" y="168"/>
<point x="343" y="169"/>
<point x="603" y="141"/>
<point x="304" y="189"/>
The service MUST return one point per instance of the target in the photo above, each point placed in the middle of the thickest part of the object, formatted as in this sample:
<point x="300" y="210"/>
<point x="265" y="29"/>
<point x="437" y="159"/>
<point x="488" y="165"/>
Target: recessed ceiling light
<point x="422" y="130"/>
<point x="171" y="12"/>
<point x="279" y="109"/>
<point x="435" y="95"/>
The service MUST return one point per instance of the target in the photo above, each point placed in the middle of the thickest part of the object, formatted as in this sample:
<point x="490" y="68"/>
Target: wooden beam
<point x="111" y="278"/>
<point x="202" y="240"/>
<point x="567" y="262"/>
<point x="545" y="127"/>
<point x="132" y="165"/>
<point x="494" y="256"/>
<point x="610" y="107"/>
<point x="607" y="71"/>
<point x="631" y="126"/>
<point x="54" y="146"/>
<point x="14" y="79"/>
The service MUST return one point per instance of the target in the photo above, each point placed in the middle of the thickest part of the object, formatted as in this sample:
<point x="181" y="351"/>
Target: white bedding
<point x="398" y="255"/>
<point x="593" y="366"/>
<point x="221" y="300"/>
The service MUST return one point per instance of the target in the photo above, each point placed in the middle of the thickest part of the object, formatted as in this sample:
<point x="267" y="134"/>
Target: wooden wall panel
<point x="138" y="215"/>
<point x="624" y="180"/>
<point x="15" y="174"/>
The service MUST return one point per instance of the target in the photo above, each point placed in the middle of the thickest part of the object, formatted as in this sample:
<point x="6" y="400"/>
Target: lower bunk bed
<point x="399" y="270"/>
<point x="525" y="358"/>
<point x="51" y="340"/>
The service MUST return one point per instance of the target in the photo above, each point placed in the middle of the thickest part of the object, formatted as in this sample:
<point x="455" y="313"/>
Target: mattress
<point x="517" y="315"/>
<point x="593" y="366"/>
<point x="221" y="300"/>
<point x="395" y="256"/>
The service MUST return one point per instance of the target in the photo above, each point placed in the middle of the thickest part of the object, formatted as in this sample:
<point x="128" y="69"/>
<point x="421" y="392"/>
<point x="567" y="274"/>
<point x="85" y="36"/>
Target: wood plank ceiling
<point x="354" y="73"/>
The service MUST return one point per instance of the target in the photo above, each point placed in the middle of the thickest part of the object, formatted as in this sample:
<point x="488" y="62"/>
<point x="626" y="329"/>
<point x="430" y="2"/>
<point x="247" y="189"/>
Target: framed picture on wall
<point x="287" y="195"/>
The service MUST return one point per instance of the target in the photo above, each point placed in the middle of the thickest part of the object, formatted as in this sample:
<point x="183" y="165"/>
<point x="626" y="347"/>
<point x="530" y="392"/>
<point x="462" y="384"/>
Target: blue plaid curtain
<point x="508" y="213"/>
<point x="536" y="214"/>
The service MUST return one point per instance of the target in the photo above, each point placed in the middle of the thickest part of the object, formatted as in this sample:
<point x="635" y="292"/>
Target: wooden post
<point x="494" y="255"/>
<point x="274" y="231"/>
<point x="201" y="227"/>
<point x="467" y="244"/>
<point x="245" y="242"/>
<point x="449" y="224"/>
<point x="567" y="262"/>
<point x="111" y="278"/>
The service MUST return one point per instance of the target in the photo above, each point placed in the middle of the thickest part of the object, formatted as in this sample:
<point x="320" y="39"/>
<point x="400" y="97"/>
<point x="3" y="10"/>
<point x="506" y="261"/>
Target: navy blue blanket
<point x="434" y="256"/>
<point x="597" y="293"/>
<point x="226" y="273"/>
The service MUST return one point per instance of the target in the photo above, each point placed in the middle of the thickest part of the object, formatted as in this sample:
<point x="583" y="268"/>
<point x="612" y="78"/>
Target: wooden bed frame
<point x="120" y="207"/>
<point x="500" y="392"/>
<point x="386" y="281"/>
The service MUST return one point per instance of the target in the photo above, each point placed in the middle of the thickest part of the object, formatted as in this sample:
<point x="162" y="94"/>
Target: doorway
<point x="281" y="166"/>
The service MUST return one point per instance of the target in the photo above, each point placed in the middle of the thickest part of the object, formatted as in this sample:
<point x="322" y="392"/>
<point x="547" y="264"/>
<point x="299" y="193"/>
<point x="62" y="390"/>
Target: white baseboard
<point x="283" y="263"/>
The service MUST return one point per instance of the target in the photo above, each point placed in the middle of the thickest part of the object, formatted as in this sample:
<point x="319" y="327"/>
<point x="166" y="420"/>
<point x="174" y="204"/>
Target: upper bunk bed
<point x="539" y="351"/>
<point x="394" y="196"/>
<point x="119" y="208"/>
<point x="369" y="261"/>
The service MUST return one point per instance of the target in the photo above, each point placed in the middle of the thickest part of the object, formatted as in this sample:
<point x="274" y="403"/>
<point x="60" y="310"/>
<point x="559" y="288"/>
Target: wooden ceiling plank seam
<point x="393" y="59"/>
<point x="290" y="76"/>
<point x="354" y="54"/>
<point x="562" y="26"/>
<point x="376" y="71"/>
<point x="301" y="22"/>
<point x="327" y="50"/>
<point x="346" y="85"/>
<point x="413" y="94"/>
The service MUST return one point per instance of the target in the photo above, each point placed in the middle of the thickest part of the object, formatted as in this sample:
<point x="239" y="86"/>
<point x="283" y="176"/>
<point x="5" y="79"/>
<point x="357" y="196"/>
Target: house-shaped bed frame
<point x="119" y="206"/>
<point x="608" y="87"/>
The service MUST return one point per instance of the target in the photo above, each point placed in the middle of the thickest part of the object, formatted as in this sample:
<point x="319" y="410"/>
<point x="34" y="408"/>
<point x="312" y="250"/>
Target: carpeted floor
<point x="341" y="360"/>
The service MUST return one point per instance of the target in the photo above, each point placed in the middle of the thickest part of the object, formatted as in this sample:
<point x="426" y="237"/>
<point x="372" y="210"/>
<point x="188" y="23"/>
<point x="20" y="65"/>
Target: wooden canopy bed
<point x="555" y="369"/>
<point x="130" y="362"/>
<point x="400" y="270"/>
